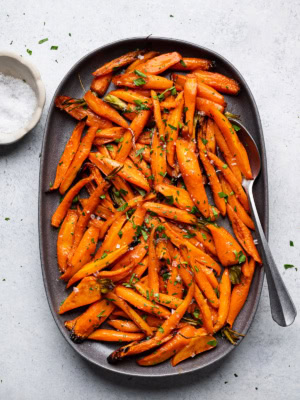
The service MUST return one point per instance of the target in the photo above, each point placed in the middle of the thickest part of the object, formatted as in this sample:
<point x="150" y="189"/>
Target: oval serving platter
<point x="58" y="128"/>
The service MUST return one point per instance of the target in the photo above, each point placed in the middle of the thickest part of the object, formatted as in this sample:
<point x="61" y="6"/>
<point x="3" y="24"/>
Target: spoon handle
<point x="282" y="307"/>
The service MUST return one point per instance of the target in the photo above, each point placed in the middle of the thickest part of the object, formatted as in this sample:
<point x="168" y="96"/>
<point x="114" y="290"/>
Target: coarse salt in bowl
<point x="22" y="97"/>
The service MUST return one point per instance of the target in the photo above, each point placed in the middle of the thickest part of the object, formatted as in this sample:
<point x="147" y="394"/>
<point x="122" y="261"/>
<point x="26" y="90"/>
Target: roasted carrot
<point x="116" y="275"/>
<point x="190" y="92"/>
<point x="100" y="84"/>
<point x="206" y="239"/>
<point x="166" y="300"/>
<point x="203" y="104"/>
<point x="130" y="96"/>
<point x="218" y="81"/>
<point x="174" y="283"/>
<point x="124" y="325"/>
<point x="172" y="129"/>
<point x="177" y="196"/>
<point x="65" y="239"/>
<point x="191" y="63"/>
<point x="157" y="115"/>
<point x="134" y="256"/>
<point x="158" y="159"/>
<point x="112" y="236"/>
<point x="132" y="80"/>
<point x="119" y="62"/>
<point x="225" y="294"/>
<point x="108" y="335"/>
<point x="170" y="212"/>
<point x="153" y="265"/>
<point x="159" y="64"/>
<point x="141" y="60"/>
<point x="243" y="234"/>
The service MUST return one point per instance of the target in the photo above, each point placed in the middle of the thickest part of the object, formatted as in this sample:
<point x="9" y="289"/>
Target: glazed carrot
<point x="202" y="342"/>
<point x="128" y="172"/>
<point x="239" y="294"/>
<point x="97" y="265"/>
<point x="229" y="158"/>
<point x="124" y="325"/>
<point x="76" y="108"/>
<point x="157" y="114"/>
<point x="191" y="63"/>
<point x="228" y="249"/>
<point x="158" y="159"/>
<point x="119" y="62"/>
<point x="112" y="236"/>
<point x="168" y="349"/>
<point x="111" y="133"/>
<point x="204" y="105"/>
<point x="144" y="138"/>
<point x="65" y="239"/>
<point x="68" y="154"/>
<point x="130" y="96"/>
<point x="84" y="252"/>
<point x="88" y="291"/>
<point x="210" y="136"/>
<point x="100" y="84"/>
<point x="231" y="179"/>
<point x="206" y="239"/>
<point x="129" y="229"/>
<point x="141" y="268"/>
<point x="225" y="293"/>
<point x="115" y="275"/>
<point x="207" y="92"/>
<point x="170" y="212"/>
<point x="79" y="158"/>
<point x="141" y="303"/>
<point x="236" y="205"/>
<point x="141" y="165"/>
<point x="132" y="80"/>
<point x="108" y="335"/>
<point x="174" y="283"/>
<point x="66" y="203"/>
<point x="91" y="319"/>
<point x="153" y="265"/>
<point x="160" y="298"/>
<point x="174" y="319"/>
<point x="213" y="178"/>
<point x="218" y="81"/>
<point x="134" y="256"/>
<point x="159" y="64"/>
<point x="132" y="314"/>
<point x="190" y="92"/>
<point x="143" y="151"/>
<point x="178" y="196"/>
<point x="104" y="110"/>
<point x="134" y="131"/>
<point x="209" y="274"/>
<point x="243" y="234"/>
<point x="172" y="128"/>
<point x="192" y="176"/>
<point x="141" y="60"/>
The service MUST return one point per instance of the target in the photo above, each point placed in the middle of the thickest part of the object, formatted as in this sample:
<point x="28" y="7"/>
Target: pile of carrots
<point x="139" y="241"/>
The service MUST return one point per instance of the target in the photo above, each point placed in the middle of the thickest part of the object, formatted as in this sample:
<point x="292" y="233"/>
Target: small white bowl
<point x="18" y="67"/>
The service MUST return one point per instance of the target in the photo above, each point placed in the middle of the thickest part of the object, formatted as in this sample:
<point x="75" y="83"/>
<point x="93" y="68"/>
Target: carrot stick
<point x="66" y="203"/>
<point x="100" y="84"/>
<point x="158" y="159"/>
<point x="108" y="335"/>
<point x="141" y="60"/>
<point x="231" y="179"/>
<point x="210" y="136"/>
<point x="124" y="325"/>
<point x="170" y="212"/>
<point x="132" y="80"/>
<point x="153" y="265"/>
<point x="65" y="239"/>
<point x="104" y="110"/>
<point x="172" y="128"/>
<point x="190" y="92"/>
<point x="88" y="291"/>
<point x="111" y="133"/>
<point x="161" y="63"/>
<point x="68" y="154"/>
<point x="157" y="114"/>
<point x="191" y="63"/>
<point x="132" y="314"/>
<point x="203" y="104"/>
<point x="119" y="62"/>
<point x="243" y="234"/>
<point x="225" y="293"/>
<point x="218" y="81"/>
<point x="130" y="96"/>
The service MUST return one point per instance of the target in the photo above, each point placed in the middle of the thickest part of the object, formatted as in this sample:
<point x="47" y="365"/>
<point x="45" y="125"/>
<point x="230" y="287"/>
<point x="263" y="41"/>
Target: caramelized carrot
<point x="191" y="63"/>
<point x="190" y="92"/>
<point x="172" y="128"/>
<point x="124" y="325"/>
<point x="170" y="212"/>
<point x="159" y="64"/>
<point x="119" y="62"/>
<point x="178" y="196"/>
<point x="65" y="239"/>
<point x="225" y="293"/>
<point x="130" y="96"/>
<point x="153" y="266"/>
<point x="108" y="335"/>
<point x="160" y="298"/>
<point x="141" y="60"/>
<point x="158" y="159"/>
<point x="157" y="115"/>
<point x="100" y="84"/>
<point x="203" y="104"/>
<point x="112" y="236"/>
<point x="132" y="80"/>
<point x="218" y="81"/>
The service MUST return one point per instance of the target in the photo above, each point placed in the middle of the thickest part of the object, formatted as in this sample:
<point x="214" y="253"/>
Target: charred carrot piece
<point x="84" y="252"/>
<point x="100" y="84"/>
<point x="229" y="158"/>
<point x="231" y="179"/>
<point x="170" y="212"/>
<point x="191" y="63"/>
<point x="157" y="114"/>
<point x="172" y="128"/>
<point x="119" y="62"/>
<point x="198" y="344"/>
<point x="213" y="178"/>
<point x="124" y="325"/>
<point x="161" y="63"/>
<point x="104" y="110"/>
<point x="153" y="265"/>
<point x="97" y="265"/>
<point x="141" y="60"/>
<point x="225" y="294"/>
<point x="158" y="159"/>
<point x="218" y="81"/>
<point x="87" y="292"/>
<point x="76" y="108"/>
<point x="167" y="350"/>
<point x="243" y="234"/>
<point x="68" y="154"/>
<point x="132" y="314"/>
<point x="192" y="176"/>
<point x="132" y="80"/>
<point x="91" y="319"/>
<point x="239" y="294"/>
<point x="109" y="335"/>
<point x="160" y="298"/>
<point x="66" y="203"/>
<point x="141" y="303"/>
<point x="65" y="239"/>
<point x="190" y="92"/>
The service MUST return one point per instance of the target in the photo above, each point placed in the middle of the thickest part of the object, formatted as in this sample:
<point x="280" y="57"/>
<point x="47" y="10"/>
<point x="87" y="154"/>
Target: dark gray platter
<point x="58" y="128"/>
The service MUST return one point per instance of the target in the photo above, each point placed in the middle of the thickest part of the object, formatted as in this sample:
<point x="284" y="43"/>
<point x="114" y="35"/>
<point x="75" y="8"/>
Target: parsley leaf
<point x="139" y="82"/>
<point x="123" y="207"/>
<point x="236" y="128"/>
<point x="288" y="266"/>
<point x="182" y="63"/>
<point x="212" y="343"/>
<point x="53" y="47"/>
<point x="139" y="73"/>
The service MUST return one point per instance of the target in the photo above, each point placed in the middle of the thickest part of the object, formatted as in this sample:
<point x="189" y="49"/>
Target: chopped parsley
<point x="139" y="82"/>
<point x="43" y="41"/>
<point x="182" y="63"/>
<point x="139" y="73"/>
<point x="122" y="207"/>
<point x="29" y="52"/>
<point x="288" y="266"/>
<point x="53" y="47"/>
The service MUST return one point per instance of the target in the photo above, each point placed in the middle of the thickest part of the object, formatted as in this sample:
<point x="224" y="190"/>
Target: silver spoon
<point x="282" y="307"/>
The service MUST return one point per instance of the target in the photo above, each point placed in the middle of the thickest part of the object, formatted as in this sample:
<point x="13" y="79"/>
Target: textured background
<point x="261" y="38"/>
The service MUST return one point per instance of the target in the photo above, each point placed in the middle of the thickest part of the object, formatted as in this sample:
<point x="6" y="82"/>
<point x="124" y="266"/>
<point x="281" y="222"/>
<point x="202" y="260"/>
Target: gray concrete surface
<point x="262" y="39"/>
